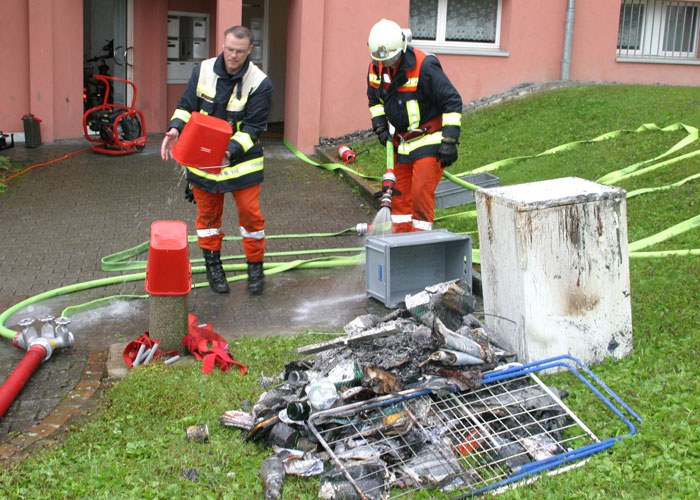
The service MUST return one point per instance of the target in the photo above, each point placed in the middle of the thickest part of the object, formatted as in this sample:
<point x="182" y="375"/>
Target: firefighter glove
<point x="235" y="151"/>
<point x="382" y="134"/>
<point x="189" y="195"/>
<point x="448" y="151"/>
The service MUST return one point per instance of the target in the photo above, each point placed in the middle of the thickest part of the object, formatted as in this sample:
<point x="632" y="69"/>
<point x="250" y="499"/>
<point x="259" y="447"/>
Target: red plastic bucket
<point x="168" y="269"/>
<point x="203" y="142"/>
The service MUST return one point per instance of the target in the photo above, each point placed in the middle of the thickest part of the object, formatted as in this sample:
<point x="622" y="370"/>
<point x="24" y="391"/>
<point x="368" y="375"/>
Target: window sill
<point x="462" y="51"/>
<point x="659" y="60"/>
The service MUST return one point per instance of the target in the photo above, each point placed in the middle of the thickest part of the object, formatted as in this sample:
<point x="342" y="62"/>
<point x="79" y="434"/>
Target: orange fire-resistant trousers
<point x="414" y="208"/>
<point x="210" y="208"/>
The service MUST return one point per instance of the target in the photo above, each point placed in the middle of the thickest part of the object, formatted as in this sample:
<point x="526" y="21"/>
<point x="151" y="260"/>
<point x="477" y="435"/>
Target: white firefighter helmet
<point x="386" y="41"/>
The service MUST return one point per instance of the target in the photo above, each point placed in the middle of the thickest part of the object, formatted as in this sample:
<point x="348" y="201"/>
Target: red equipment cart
<point x="120" y="129"/>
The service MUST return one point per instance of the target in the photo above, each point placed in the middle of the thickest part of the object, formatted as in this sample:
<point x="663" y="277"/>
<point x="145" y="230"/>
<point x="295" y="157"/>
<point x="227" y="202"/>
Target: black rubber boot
<point x="256" y="278"/>
<point x="215" y="273"/>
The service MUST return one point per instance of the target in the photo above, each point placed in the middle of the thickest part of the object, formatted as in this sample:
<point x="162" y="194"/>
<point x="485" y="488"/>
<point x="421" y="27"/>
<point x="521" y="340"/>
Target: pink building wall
<point x="226" y="13"/>
<point x="345" y="60"/>
<point x="66" y="82"/>
<point x="150" y="56"/>
<point x="14" y="52"/>
<point x="41" y="48"/>
<point x="534" y="53"/>
<point x="304" y="73"/>
<point x="326" y="59"/>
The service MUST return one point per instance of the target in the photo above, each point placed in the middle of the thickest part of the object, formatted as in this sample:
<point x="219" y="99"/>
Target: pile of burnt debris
<point x="434" y="343"/>
<point x="418" y="400"/>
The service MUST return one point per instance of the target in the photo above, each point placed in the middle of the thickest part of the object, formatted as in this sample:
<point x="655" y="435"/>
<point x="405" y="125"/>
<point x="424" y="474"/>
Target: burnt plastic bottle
<point x="272" y="475"/>
<point x="322" y="393"/>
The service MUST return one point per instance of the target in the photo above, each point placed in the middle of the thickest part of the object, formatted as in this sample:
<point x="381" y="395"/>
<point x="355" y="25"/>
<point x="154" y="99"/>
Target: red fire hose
<point x="20" y="375"/>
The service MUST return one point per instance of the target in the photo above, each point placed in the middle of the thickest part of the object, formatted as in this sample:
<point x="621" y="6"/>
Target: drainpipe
<point x="39" y="346"/>
<point x="568" y="36"/>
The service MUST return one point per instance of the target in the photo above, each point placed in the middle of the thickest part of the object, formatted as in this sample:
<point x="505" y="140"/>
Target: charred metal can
<point x="298" y="377"/>
<point x="298" y="410"/>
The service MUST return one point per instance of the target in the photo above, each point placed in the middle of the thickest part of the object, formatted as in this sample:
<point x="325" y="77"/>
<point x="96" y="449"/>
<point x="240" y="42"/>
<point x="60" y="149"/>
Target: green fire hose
<point x="118" y="262"/>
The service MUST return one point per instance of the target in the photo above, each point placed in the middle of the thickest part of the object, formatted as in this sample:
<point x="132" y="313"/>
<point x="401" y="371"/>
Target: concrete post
<point x="168" y="281"/>
<point x="555" y="269"/>
<point x="167" y="321"/>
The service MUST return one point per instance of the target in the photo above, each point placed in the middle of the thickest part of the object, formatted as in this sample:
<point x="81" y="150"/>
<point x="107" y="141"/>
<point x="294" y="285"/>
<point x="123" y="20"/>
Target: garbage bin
<point x="32" y="131"/>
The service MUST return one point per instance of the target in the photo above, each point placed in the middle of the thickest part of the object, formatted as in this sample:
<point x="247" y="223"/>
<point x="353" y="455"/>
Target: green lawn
<point x="135" y="446"/>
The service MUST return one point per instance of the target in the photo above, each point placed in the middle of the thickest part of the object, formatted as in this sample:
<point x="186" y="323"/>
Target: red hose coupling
<point x="388" y="179"/>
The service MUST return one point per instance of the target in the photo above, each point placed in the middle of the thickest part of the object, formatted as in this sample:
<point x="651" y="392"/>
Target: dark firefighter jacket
<point x="243" y="100"/>
<point x="419" y="96"/>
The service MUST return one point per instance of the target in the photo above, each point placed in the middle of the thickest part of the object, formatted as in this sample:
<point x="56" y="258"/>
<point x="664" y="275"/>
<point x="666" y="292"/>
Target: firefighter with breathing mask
<point x="409" y="92"/>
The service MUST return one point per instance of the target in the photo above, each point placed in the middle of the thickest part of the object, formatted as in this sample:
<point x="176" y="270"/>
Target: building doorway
<point x="107" y="47"/>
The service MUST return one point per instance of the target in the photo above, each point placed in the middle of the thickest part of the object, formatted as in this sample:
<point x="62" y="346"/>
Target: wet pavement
<point x="58" y="221"/>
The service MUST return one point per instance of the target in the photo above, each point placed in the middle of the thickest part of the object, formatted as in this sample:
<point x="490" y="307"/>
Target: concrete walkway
<point x="58" y="221"/>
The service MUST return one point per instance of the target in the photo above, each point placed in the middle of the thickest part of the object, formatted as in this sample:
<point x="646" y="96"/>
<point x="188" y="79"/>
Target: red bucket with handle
<point x="203" y="142"/>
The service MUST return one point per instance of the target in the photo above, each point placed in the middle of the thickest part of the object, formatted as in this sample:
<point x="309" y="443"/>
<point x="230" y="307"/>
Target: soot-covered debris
<point x="435" y="342"/>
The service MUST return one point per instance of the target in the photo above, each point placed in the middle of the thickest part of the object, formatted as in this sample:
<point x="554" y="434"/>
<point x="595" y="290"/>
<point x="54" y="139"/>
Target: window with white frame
<point x="660" y="30"/>
<point x="456" y="25"/>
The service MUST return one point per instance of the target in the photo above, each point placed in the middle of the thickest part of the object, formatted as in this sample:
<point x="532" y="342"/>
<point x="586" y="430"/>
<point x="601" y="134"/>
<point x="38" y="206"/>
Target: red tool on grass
<point x="346" y="154"/>
<point x="120" y="129"/>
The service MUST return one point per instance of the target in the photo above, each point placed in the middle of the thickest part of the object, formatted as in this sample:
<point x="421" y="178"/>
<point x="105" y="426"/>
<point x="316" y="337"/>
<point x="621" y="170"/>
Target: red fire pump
<point x="120" y="129"/>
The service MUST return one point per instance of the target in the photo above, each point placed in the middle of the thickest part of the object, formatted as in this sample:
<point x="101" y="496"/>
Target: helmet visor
<point x="382" y="53"/>
<point x="389" y="63"/>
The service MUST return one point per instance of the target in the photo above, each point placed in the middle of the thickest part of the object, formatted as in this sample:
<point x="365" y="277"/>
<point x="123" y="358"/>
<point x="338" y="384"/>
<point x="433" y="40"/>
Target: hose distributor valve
<point x="53" y="334"/>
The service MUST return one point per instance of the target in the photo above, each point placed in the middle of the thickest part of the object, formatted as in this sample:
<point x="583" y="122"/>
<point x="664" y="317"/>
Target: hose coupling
<point x="48" y="327"/>
<point x="385" y="200"/>
<point x="45" y="344"/>
<point x="388" y="179"/>
<point x="363" y="228"/>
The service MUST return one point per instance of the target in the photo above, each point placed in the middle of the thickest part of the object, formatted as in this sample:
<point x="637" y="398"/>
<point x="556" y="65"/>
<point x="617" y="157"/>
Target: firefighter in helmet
<point x="410" y="95"/>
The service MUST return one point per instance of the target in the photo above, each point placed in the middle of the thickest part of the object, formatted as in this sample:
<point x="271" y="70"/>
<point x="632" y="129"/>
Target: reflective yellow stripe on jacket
<point x="377" y="110"/>
<point x="452" y="119"/>
<point x="232" y="172"/>
<point x="405" y="148"/>
<point x="182" y="115"/>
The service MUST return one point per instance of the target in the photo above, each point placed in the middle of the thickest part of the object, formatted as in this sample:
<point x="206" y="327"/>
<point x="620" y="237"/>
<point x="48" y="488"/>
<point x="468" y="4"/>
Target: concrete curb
<point x="116" y="368"/>
<point x="99" y="367"/>
<point x="71" y="405"/>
